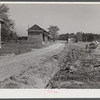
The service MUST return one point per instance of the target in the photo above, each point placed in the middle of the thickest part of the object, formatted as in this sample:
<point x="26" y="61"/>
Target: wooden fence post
<point x="0" y="34"/>
<point x="1" y="21"/>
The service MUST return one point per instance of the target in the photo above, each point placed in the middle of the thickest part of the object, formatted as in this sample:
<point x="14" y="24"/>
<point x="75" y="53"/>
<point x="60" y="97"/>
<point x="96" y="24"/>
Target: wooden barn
<point x="38" y="35"/>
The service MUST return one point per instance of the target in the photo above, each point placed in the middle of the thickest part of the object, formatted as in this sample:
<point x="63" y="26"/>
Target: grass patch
<point x="18" y="48"/>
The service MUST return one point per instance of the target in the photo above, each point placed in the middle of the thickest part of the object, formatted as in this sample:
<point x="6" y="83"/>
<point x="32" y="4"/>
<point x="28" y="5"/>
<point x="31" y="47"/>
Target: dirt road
<point x="16" y="64"/>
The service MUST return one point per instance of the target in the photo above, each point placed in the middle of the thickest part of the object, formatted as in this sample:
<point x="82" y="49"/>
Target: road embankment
<point x="38" y="75"/>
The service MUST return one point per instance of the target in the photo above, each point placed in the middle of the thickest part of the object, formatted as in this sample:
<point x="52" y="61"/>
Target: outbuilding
<point x="37" y="34"/>
<point x="71" y="38"/>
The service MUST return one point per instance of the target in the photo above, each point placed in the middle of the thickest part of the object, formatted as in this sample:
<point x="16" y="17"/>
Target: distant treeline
<point x="14" y="37"/>
<point x="80" y="36"/>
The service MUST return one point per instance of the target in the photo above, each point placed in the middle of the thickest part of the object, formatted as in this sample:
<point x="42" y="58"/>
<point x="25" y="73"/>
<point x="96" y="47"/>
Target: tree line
<point x="80" y="36"/>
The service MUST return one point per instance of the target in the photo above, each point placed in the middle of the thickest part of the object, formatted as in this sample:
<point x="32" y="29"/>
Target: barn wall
<point x="70" y="40"/>
<point x="35" y="38"/>
<point x="34" y="33"/>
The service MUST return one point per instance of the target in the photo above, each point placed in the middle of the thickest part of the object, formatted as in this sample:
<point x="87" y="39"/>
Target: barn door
<point x="43" y="37"/>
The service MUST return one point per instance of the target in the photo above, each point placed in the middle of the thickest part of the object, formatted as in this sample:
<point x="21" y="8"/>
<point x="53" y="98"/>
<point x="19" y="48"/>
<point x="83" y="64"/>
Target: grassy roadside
<point x="17" y="48"/>
<point x="35" y="75"/>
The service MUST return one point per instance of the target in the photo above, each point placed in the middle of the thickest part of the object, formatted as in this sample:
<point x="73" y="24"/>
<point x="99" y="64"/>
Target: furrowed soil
<point x="79" y="68"/>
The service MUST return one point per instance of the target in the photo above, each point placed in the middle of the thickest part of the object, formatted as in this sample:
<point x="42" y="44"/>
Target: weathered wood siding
<point x="35" y="38"/>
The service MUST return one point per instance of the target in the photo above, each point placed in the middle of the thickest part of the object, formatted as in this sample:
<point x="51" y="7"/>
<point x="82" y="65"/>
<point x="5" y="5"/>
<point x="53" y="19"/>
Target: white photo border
<point x="49" y="93"/>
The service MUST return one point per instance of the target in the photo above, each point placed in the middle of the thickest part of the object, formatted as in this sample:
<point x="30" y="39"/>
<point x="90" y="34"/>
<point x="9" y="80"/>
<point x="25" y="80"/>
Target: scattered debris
<point x="81" y="69"/>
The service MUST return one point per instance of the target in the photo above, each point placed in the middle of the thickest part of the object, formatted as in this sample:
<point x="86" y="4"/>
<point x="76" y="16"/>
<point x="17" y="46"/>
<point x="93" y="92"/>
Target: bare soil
<point x="80" y="68"/>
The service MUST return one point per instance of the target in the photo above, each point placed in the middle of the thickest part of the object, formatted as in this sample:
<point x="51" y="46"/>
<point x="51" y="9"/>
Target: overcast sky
<point x="69" y="18"/>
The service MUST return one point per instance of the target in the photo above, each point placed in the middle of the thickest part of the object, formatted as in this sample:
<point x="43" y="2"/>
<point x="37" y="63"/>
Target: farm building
<point x="79" y="36"/>
<point x="1" y="21"/>
<point x="38" y="35"/>
<point x="71" y="38"/>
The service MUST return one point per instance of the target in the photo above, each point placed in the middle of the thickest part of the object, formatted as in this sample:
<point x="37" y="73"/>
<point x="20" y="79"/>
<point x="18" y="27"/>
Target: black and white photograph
<point x="49" y="46"/>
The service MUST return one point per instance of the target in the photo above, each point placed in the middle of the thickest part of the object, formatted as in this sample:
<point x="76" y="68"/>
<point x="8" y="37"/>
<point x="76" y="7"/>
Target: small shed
<point x="71" y="38"/>
<point x="37" y="34"/>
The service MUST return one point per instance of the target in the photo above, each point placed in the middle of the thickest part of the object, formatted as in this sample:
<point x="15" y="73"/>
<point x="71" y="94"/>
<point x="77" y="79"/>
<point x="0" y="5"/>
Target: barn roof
<point x="71" y="36"/>
<point x="39" y="29"/>
<point x="36" y="28"/>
